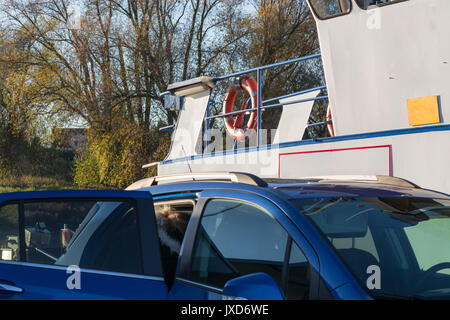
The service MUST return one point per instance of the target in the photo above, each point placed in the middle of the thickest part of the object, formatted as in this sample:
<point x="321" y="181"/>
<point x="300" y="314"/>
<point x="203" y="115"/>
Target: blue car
<point x="228" y="236"/>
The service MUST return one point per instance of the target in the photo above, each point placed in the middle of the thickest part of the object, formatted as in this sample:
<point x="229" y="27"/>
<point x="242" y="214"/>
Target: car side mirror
<point x="255" y="286"/>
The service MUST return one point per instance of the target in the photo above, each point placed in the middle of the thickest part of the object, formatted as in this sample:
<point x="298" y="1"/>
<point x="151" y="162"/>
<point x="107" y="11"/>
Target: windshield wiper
<point x="406" y="217"/>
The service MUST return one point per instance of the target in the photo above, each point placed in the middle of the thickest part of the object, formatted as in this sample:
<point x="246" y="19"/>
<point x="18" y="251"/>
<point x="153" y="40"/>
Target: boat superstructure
<point x="386" y="66"/>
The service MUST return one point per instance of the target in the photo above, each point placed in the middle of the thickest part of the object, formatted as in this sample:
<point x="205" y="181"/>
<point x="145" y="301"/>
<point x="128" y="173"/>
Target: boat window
<point x="329" y="8"/>
<point x="365" y="4"/>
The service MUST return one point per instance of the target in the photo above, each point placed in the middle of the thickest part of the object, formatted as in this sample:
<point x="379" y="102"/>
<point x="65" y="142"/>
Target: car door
<point x="79" y="245"/>
<point x="235" y="233"/>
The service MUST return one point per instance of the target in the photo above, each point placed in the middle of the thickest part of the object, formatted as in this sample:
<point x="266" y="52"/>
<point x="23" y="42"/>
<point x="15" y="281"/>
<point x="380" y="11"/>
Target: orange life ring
<point x="330" y="124"/>
<point x="234" y="123"/>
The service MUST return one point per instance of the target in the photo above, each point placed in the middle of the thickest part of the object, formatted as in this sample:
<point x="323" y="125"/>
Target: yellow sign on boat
<point x="423" y="111"/>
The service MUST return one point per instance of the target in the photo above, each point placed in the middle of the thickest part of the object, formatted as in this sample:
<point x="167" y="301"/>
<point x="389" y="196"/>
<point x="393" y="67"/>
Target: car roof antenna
<point x="187" y="160"/>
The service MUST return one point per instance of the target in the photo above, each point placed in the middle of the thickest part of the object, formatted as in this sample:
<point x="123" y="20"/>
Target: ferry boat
<point x="386" y="66"/>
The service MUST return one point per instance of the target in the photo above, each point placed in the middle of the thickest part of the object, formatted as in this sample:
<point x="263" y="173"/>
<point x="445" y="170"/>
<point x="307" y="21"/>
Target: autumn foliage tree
<point x="23" y="106"/>
<point x="107" y="70"/>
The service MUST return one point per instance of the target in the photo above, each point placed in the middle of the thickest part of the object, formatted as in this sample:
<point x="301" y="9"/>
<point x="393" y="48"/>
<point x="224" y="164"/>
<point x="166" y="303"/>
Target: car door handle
<point x="7" y="288"/>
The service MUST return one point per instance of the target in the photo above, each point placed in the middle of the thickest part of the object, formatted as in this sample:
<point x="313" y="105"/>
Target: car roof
<point x="299" y="189"/>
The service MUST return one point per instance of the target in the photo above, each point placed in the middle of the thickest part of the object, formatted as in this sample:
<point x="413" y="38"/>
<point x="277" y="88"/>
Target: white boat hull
<point x="420" y="155"/>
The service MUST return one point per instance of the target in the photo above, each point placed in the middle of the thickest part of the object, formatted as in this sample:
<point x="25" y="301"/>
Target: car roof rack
<point x="236" y="177"/>
<point x="380" y="179"/>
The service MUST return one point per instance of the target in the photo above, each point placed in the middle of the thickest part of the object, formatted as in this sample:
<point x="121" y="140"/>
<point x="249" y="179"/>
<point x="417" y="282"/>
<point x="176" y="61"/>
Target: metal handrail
<point x="294" y="94"/>
<point x="167" y="128"/>
<point x="269" y="66"/>
<point x="261" y="105"/>
<point x="293" y="102"/>
<point x="315" y="124"/>
<point x="221" y="115"/>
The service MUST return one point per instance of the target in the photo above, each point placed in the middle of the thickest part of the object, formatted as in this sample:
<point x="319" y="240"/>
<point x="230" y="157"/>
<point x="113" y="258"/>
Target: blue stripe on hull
<point x="358" y="136"/>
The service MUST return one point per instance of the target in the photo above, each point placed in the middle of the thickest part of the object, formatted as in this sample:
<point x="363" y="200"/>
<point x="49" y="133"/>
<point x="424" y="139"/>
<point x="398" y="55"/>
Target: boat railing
<point x="262" y="104"/>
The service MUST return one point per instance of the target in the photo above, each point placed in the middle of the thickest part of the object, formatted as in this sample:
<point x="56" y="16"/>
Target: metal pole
<point x="207" y="125"/>
<point x="259" y="80"/>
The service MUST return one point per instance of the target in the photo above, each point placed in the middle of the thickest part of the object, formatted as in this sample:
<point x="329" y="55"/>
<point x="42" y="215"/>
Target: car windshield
<point x="396" y="247"/>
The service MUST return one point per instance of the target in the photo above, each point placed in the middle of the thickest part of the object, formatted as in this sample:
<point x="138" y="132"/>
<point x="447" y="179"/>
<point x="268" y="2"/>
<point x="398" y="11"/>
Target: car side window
<point x="236" y="238"/>
<point x="172" y="218"/>
<point x="9" y="232"/>
<point x="49" y="225"/>
<point x="99" y="235"/>
<point x="298" y="277"/>
<point x="115" y="244"/>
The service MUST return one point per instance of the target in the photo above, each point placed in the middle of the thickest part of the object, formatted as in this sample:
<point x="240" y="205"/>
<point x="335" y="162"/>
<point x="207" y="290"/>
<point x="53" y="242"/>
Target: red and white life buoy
<point x="234" y="123"/>
<point x="330" y="124"/>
